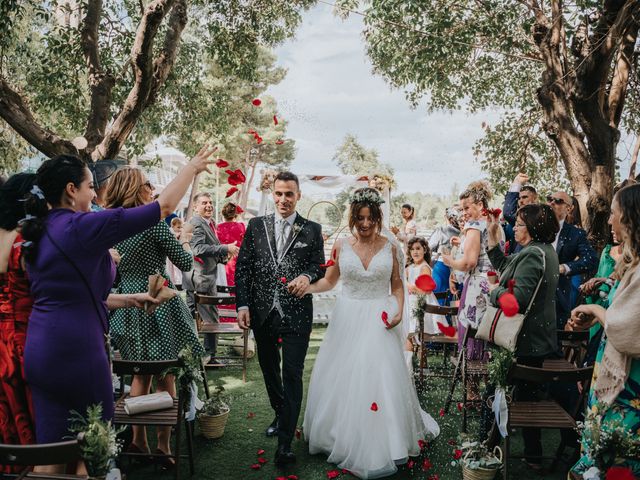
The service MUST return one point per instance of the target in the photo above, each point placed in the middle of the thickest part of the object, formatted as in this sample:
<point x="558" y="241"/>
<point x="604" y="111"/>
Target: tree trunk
<point x="249" y="184"/>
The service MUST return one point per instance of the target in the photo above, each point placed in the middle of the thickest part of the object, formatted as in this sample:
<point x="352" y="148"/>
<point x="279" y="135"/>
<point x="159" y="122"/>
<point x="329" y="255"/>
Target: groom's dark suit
<point x="279" y="319"/>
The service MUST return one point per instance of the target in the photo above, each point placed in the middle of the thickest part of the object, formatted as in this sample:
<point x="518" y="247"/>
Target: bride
<point x="362" y="407"/>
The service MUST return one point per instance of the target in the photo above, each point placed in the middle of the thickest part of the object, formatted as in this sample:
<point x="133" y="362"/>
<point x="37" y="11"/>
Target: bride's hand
<point x="395" y="321"/>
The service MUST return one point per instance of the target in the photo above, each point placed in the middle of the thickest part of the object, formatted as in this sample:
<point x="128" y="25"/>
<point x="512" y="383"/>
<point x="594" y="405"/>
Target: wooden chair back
<point x="542" y="375"/>
<point x="440" y="310"/>
<point x="231" y="289"/>
<point x="138" y="367"/>
<point x="213" y="300"/>
<point x="43" y="454"/>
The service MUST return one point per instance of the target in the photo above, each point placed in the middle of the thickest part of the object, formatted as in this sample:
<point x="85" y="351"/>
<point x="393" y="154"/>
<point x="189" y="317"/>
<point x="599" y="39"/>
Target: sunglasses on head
<point x="557" y="201"/>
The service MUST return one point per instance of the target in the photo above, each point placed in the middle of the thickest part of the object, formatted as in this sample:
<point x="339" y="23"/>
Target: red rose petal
<point x="230" y="192"/>
<point x="330" y="263"/>
<point x="422" y="444"/>
<point x="220" y="163"/>
<point x="426" y="283"/>
<point x="333" y="474"/>
<point x="435" y="476"/>
<point x="494" y="212"/>
<point x="410" y="464"/>
<point x="199" y="260"/>
<point x="346" y="472"/>
<point x="441" y="413"/>
<point x="281" y="478"/>
<point x="385" y="319"/>
<point x="451" y="442"/>
<point x="511" y="283"/>
<point x="620" y="473"/>
<point x="166" y="283"/>
<point x="283" y="279"/>
<point x="279" y="141"/>
<point x="279" y="339"/>
<point x="426" y="464"/>
<point x="457" y="453"/>
<point x="298" y="433"/>
<point x="239" y="209"/>
<point x="256" y="102"/>
<point x="256" y="466"/>
<point x="374" y="407"/>
<point x="251" y="415"/>
<point x="509" y="304"/>
<point x="491" y="273"/>
<point x="459" y="406"/>
<point x="252" y="132"/>
<point x="260" y="452"/>
<point x="262" y="460"/>
<point x="292" y="477"/>
<point x="447" y="330"/>
<point x="275" y="120"/>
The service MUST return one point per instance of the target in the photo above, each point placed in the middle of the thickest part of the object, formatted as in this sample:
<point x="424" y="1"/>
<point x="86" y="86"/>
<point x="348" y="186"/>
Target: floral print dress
<point x="625" y="409"/>
<point x="475" y="293"/>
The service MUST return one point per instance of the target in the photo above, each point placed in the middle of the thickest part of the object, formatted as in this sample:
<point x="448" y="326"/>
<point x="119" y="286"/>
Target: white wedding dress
<point x="360" y="363"/>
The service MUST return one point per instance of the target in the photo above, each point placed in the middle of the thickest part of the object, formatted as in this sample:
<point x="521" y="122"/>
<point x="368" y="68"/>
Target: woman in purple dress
<point x="71" y="272"/>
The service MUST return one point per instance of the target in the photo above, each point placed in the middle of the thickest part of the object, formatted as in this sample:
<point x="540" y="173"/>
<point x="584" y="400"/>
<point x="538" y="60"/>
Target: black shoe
<point x="284" y="455"/>
<point x="272" y="430"/>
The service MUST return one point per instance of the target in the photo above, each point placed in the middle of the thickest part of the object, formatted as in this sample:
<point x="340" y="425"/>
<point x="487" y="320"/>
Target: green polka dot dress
<point x="170" y="328"/>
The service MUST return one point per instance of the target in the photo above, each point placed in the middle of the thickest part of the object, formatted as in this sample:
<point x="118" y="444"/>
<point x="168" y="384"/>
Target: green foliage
<point x="217" y="404"/>
<point x="98" y="442"/>
<point x="429" y="208"/>
<point x="477" y="455"/>
<point x="12" y="149"/>
<point x="42" y="59"/>
<point x="499" y="366"/>
<point x="354" y="159"/>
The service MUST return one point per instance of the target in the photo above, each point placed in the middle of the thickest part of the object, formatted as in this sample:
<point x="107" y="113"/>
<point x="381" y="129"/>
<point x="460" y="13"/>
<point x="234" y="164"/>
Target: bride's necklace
<point x="368" y="248"/>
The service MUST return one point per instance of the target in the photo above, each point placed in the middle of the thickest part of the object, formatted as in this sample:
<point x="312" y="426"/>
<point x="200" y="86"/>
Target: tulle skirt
<point x="362" y="407"/>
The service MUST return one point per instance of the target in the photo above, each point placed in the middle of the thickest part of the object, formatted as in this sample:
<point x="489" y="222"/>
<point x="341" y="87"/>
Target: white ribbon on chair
<point x="194" y="403"/>
<point x="592" y="474"/>
<point x="501" y="410"/>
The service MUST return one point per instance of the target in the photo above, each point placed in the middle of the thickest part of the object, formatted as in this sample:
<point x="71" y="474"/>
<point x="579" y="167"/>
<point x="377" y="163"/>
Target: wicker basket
<point x="212" y="426"/>
<point x="482" y="473"/>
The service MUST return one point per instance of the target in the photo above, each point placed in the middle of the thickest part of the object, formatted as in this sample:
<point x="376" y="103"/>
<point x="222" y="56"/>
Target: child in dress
<point x="419" y="263"/>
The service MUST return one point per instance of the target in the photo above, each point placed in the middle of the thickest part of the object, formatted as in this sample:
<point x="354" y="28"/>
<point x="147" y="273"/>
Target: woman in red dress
<point x="16" y="411"/>
<point x="230" y="231"/>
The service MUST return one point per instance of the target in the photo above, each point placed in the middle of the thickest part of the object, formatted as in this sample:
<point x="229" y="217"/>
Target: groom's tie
<point x="282" y="239"/>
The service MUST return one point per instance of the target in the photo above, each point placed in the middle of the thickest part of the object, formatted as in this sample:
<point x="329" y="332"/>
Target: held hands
<point x="244" y="319"/>
<point x="233" y="249"/>
<point x="200" y="162"/>
<point x="584" y="317"/>
<point x="394" y="230"/>
<point x="299" y="286"/>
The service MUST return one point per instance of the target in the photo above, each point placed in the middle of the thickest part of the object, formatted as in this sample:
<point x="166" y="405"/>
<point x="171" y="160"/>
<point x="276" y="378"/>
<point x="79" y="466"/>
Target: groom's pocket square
<point x="300" y="245"/>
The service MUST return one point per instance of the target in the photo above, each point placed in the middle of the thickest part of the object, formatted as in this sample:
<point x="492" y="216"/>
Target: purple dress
<point x="65" y="359"/>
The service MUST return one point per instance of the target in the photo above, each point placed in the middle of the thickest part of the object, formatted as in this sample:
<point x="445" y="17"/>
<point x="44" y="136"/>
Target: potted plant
<point x="214" y="414"/>
<point x="477" y="461"/>
<point x="99" y="445"/>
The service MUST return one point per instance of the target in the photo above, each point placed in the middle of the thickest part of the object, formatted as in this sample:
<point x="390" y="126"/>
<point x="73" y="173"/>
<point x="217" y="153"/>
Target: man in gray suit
<point x="208" y="252"/>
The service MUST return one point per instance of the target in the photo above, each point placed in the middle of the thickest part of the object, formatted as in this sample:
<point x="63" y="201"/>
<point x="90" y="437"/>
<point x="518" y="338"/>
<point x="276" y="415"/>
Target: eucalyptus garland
<point x="499" y="366"/>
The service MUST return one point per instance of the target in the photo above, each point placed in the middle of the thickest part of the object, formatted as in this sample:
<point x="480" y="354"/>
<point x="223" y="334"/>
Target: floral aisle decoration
<point x="188" y="376"/>
<point x="267" y="180"/>
<point x="214" y="413"/>
<point x="476" y="460"/>
<point x="607" y="443"/>
<point x="498" y="372"/>
<point x="99" y="443"/>
<point x="382" y="182"/>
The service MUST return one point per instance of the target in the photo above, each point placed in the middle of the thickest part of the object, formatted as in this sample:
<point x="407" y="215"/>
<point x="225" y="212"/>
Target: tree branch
<point x="142" y="64"/>
<point x="623" y="65"/>
<point x="15" y="111"/>
<point x="101" y="83"/>
<point x="163" y="64"/>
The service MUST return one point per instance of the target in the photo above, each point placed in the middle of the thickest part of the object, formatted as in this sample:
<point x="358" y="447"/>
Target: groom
<point x="280" y="256"/>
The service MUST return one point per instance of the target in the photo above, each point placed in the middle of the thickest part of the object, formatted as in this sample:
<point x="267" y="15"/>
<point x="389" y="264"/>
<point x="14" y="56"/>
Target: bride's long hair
<point x="369" y="198"/>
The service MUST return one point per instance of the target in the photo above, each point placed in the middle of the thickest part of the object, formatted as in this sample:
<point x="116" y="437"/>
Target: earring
<point x="73" y="203"/>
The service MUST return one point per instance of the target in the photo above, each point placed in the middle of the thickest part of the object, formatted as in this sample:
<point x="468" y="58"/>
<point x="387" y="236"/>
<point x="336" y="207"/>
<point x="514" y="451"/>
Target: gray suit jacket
<point x="207" y="252"/>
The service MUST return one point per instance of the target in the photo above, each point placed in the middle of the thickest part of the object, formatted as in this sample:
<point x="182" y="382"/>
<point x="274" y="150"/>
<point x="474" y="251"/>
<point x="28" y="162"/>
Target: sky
<point x="330" y="91"/>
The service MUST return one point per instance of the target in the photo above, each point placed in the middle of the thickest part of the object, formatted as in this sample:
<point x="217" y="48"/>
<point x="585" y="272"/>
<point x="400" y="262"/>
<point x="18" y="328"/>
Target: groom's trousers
<point x="284" y="385"/>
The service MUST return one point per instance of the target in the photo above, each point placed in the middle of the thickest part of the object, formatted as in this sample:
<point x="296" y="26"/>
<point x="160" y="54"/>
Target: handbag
<point x="501" y="330"/>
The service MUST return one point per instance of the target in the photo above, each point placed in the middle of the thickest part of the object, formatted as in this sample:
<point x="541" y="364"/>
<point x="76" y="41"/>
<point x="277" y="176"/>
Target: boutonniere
<point x="296" y="229"/>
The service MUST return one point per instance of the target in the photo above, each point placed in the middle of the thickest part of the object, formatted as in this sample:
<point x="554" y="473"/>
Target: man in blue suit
<point x="575" y="254"/>
<point x="519" y="195"/>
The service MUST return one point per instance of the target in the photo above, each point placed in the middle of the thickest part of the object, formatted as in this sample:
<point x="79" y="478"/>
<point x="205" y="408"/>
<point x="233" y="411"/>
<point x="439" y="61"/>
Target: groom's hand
<point x="299" y="286"/>
<point x="244" y="319"/>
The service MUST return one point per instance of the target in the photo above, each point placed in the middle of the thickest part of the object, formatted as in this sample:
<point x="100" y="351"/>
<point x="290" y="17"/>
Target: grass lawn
<point x="231" y="456"/>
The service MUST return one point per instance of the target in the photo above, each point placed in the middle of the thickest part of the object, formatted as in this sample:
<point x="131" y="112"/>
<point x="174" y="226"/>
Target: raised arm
<point x="173" y="193"/>
<point x="471" y="253"/>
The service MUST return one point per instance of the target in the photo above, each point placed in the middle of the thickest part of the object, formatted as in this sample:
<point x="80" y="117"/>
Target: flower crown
<point x="366" y="196"/>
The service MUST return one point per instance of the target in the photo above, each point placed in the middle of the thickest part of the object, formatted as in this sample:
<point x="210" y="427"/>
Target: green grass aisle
<point x="231" y="457"/>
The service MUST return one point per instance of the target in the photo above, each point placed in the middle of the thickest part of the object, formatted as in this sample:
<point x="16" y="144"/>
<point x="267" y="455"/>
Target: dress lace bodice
<point x="361" y="283"/>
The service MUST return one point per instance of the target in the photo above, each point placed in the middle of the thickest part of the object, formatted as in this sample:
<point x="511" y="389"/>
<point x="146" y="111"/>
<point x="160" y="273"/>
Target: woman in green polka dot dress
<point x="162" y="334"/>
